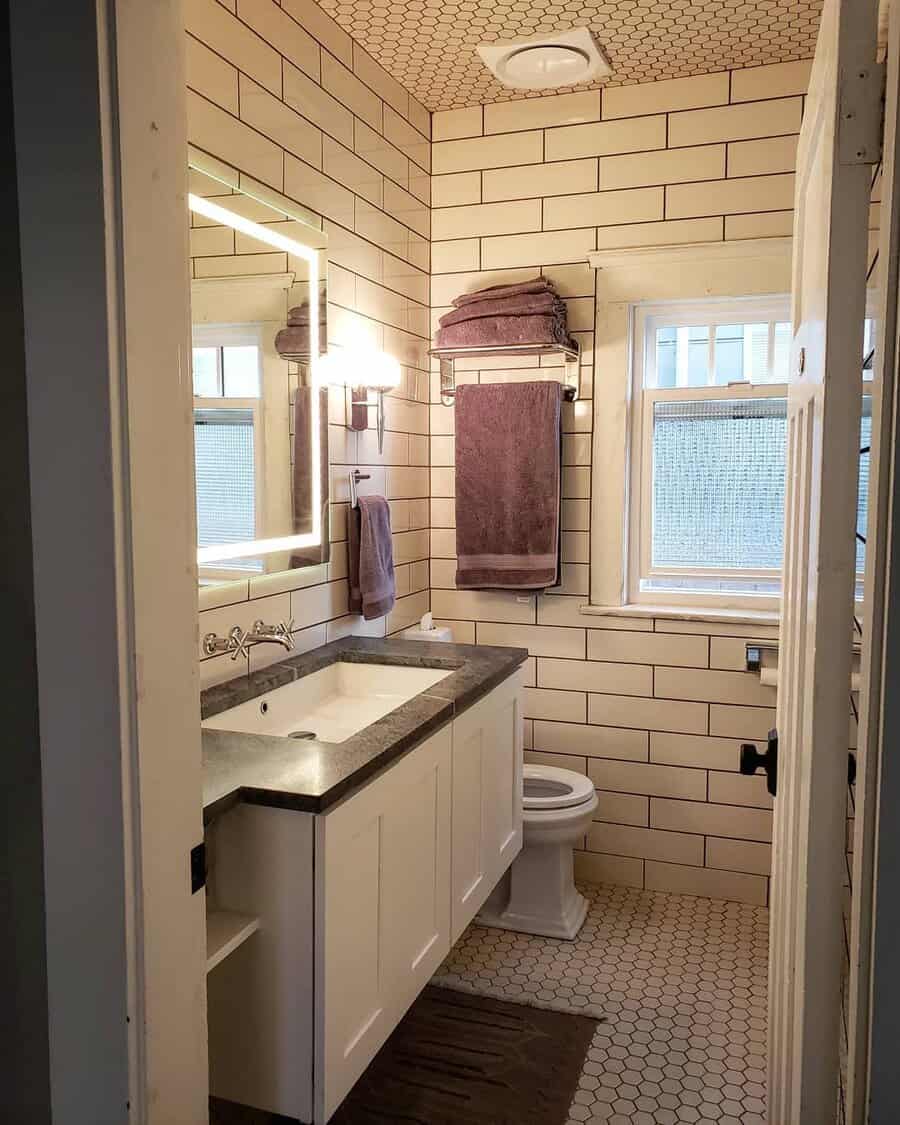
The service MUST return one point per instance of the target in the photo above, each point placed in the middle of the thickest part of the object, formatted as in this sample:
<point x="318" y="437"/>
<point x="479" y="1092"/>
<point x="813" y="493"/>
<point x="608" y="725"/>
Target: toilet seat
<point x="547" y="787"/>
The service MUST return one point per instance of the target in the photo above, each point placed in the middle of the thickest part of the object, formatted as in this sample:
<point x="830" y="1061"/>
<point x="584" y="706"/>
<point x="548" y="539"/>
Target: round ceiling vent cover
<point x="547" y="61"/>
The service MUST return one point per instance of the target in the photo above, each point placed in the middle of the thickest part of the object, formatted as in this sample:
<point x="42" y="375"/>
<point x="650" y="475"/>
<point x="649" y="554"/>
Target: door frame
<point x="112" y="763"/>
<point x="873" y="1093"/>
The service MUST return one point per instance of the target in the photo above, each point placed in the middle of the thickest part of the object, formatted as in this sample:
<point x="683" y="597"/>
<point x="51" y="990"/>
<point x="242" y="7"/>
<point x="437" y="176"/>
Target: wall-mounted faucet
<point x="238" y="641"/>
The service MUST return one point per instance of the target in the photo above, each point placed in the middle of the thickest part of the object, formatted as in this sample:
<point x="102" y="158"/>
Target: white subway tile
<point x="539" y="640"/>
<point x="309" y="15"/>
<point x="622" y="808"/>
<point x="649" y="779"/>
<point x="695" y="750"/>
<point x="536" y="249"/>
<point x="233" y="40"/>
<point x="741" y="722"/>
<point x="771" y="224"/>
<point x="281" y="32"/>
<point x="754" y="83"/>
<point x="591" y="675"/>
<point x="736" y="789"/>
<point x="557" y="761"/>
<point x="483" y="605"/>
<point x="648" y="714"/>
<point x="706" y="883"/>
<point x="739" y="855"/>
<point x="352" y="93"/>
<point x="725" y="197"/>
<point x="457" y="188"/>
<point x="408" y="139"/>
<point x="668" y="233"/>
<point x="665" y="96"/>
<point x="647" y="648"/>
<point x="214" y="130"/>
<point x="603" y="208"/>
<point x="563" y="177"/>
<point x="451" y="124"/>
<point x="477" y="219"/>
<point x="568" y="706"/>
<point x="645" y="843"/>
<point x="712" y="686"/>
<point x="537" y="113"/>
<point x="317" y="106"/>
<point x="499" y="151"/>
<point x="349" y="170"/>
<point x="623" y="871"/>
<point x="371" y="146"/>
<point x="211" y="76"/>
<point x="278" y="121"/>
<point x="605" y="138"/>
<point x="735" y="122"/>
<point x="591" y="741"/>
<point x="377" y="78"/>
<point x="711" y="820"/>
<point x="667" y="166"/>
<point x="762" y="157"/>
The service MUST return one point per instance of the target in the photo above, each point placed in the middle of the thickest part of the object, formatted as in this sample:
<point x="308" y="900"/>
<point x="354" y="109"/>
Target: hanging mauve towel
<point x="370" y="558"/>
<point x="507" y="485"/>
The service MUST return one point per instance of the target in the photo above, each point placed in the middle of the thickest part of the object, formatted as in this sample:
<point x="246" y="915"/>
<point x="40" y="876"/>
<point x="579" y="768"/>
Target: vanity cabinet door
<point x="487" y="798"/>
<point x="382" y="911"/>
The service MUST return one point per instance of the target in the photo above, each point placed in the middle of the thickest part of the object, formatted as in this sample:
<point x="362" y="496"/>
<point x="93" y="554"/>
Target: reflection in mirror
<point x="258" y="306"/>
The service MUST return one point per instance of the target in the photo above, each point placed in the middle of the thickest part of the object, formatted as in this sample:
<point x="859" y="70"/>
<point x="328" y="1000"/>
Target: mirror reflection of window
<point x="227" y="448"/>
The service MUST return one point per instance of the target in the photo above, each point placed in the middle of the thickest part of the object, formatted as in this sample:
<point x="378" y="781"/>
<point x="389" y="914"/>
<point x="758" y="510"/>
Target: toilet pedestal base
<point x="538" y="895"/>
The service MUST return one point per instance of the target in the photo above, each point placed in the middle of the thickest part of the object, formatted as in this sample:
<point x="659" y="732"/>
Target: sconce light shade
<point x="352" y="367"/>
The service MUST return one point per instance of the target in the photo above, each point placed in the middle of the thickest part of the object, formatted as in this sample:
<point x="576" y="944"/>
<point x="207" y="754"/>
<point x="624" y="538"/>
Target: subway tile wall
<point x="653" y="710"/>
<point x="283" y="96"/>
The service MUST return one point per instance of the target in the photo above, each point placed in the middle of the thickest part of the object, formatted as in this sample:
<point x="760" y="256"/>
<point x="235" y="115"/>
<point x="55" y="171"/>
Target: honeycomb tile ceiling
<point x="429" y="45"/>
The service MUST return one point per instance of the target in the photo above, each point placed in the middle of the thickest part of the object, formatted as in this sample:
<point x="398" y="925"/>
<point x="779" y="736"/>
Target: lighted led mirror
<point x="259" y="326"/>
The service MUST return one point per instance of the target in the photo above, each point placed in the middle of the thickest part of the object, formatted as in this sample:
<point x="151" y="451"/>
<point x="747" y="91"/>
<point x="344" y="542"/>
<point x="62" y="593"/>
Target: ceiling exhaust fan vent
<point x="547" y="61"/>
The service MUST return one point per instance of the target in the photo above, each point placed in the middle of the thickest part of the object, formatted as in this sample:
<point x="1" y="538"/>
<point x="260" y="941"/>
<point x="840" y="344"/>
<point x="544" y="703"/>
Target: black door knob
<point x="752" y="760"/>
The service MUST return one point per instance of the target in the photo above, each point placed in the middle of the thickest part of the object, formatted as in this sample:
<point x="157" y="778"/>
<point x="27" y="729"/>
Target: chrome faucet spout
<point x="238" y="642"/>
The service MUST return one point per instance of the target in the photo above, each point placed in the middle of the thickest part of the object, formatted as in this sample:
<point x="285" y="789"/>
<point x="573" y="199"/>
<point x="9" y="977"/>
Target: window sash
<point x="638" y="562"/>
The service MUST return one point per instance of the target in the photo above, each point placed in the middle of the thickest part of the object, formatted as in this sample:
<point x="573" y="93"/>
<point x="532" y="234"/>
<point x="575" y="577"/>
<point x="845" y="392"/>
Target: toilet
<point x="538" y="894"/>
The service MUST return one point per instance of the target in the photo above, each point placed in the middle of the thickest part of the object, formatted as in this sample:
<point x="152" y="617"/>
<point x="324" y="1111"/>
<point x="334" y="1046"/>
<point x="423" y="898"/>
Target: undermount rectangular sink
<point x="330" y="705"/>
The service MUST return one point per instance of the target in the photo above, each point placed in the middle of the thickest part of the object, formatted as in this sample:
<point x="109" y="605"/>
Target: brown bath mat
<point x="457" y="1059"/>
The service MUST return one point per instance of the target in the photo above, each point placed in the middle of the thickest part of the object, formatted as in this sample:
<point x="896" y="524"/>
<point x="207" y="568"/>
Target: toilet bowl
<point x="538" y="894"/>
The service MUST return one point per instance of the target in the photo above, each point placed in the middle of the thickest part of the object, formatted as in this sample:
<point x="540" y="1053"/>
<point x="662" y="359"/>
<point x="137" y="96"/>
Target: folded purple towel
<point x="507" y="485"/>
<point x="500" y="330"/>
<point x="370" y="558"/>
<point x="293" y="341"/>
<point x="536" y="285"/>
<point x="522" y="304"/>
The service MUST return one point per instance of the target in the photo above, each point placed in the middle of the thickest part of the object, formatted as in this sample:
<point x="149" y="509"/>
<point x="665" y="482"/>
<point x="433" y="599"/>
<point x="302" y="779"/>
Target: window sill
<point x="687" y="613"/>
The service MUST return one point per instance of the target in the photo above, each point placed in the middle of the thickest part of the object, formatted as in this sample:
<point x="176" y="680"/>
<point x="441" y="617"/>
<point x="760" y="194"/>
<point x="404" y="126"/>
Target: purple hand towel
<point x="371" y="558"/>
<point x="507" y="485"/>
<point x="495" y="331"/>
<point x="536" y="285"/>
<point x="523" y="304"/>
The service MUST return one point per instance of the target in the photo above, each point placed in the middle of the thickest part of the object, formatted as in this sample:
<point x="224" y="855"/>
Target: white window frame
<point x="646" y="318"/>
<point x="626" y="280"/>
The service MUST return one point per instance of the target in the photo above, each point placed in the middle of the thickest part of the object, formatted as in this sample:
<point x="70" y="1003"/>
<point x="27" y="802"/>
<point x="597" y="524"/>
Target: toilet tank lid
<point x="548" y="787"/>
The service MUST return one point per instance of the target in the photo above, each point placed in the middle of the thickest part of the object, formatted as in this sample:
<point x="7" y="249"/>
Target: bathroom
<point x="421" y="796"/>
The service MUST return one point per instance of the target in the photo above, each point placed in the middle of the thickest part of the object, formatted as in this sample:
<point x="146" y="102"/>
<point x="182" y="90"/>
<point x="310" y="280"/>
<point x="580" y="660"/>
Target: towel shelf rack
<point x="448" y="356"/>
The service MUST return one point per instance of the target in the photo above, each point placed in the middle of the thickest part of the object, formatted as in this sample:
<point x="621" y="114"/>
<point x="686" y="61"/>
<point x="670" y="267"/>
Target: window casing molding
<point x="627" y="280"/>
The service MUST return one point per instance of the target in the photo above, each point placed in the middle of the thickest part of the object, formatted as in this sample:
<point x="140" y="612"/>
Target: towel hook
<point x="355" y="477"/>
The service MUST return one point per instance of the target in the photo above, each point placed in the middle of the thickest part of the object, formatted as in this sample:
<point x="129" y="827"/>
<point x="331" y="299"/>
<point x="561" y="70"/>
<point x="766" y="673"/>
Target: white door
<point x="833" y="174"/>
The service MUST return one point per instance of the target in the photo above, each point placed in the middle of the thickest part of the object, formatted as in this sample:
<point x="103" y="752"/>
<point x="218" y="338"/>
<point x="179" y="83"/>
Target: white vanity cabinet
<point x="382" y="911"/>
<point x="357" y="907"/>
<point x="487" y="798"/>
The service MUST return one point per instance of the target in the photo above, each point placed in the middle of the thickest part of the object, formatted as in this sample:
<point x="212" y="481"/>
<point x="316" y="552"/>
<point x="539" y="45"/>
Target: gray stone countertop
<point x="312" y="776"/>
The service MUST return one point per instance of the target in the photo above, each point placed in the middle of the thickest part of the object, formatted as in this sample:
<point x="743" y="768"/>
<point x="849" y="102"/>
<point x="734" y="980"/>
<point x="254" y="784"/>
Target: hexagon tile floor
<point x="682" y="984"/>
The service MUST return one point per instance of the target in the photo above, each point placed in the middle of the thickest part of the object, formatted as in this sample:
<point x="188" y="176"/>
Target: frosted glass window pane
<point x="206" y="372"/>
<point x="666" y="356"/>
<point x="718" y="484"/>
<point x="781" y="361"/>
<point x="862" y="502"/>
<point x="729" y="353"/>
<point x="697" y="356"/>
<point x="240" y="367"/>
<point x="225" y="468"/>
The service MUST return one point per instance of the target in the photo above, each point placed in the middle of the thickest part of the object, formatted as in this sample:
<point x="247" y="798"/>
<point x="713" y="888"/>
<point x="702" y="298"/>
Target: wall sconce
<point x="377" y="371"/>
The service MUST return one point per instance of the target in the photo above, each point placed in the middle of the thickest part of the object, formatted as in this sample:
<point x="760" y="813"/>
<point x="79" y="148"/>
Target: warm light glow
<point x="250" y="549"/>
<point x="359" y="367"/>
